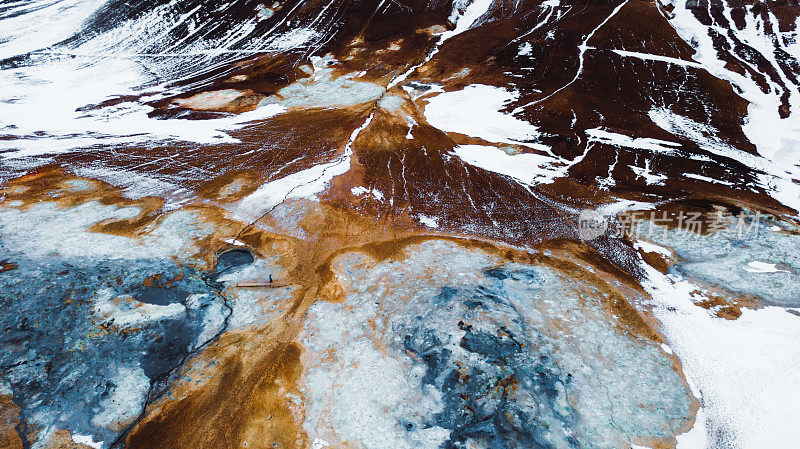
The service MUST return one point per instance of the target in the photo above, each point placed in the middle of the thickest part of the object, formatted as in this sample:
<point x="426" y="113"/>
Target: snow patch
<point x="361" y="190"/>
<point x="777" y="139"/>
<point x="431" y="222"/>
<point x="44" y="107"/>
<point x="319" y="443"/>
<point x="761" y="267"/>
<point x="746" y="369"/>
<point x="87" y="440"/>
<point x="660" y="58"/>
<point x="303" y="184"/>
<point x="619" y="206"/>
<point x="639" y="143"/>
<point x="651" y="248"/>
<point x="645" y="172"/>
<point x="465" y="21"/>
<point x="706" y="179"/>
<point x="234" y="242"/>
<point x="21" y="23"/>
<point x="527" y="168"/>
<point x="776" y="178"/>
<point x="476" y="111"/>
<point x="296" y="37"/>
<point x="128" y="312"/>
<point x="125" y="401"/>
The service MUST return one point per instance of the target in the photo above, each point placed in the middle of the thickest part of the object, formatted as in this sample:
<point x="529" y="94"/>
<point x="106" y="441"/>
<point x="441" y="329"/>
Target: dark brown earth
<point x="244" y="402"/>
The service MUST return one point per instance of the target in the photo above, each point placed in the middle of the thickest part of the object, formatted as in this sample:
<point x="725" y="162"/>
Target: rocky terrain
<point x="400" y="224"/>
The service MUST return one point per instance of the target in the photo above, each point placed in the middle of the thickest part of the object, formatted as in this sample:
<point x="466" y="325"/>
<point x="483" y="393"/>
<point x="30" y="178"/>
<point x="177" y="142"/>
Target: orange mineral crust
<point x="9" y="420"/>
<point x="399" y="224"/>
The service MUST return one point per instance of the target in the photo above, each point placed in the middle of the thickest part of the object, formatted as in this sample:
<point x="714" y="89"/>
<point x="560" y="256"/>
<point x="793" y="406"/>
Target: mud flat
<point x="450" y="346"/>
<point x="105" y="299"/>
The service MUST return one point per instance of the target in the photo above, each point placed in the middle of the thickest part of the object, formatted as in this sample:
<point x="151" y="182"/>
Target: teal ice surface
<point x="723" y="258"/>
<point x="457" y="347"/>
